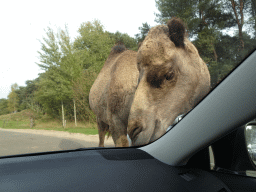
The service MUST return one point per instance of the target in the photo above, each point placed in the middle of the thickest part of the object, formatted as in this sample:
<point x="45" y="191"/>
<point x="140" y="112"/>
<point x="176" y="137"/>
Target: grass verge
<point x="21" y="121"/>
<point x="89" y="129"/>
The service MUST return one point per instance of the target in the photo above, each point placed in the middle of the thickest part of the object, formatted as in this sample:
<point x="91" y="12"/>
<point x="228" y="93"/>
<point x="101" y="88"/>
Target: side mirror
<point x="250" y="135"/>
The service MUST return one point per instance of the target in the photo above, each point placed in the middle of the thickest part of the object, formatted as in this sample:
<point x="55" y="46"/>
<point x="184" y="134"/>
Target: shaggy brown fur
<point x="111" y="95"/>
<point x="177" y="31"/>
<point x="118" y="48"/>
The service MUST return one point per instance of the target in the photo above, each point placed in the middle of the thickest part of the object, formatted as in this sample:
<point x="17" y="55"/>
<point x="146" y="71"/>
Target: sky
<point x="23" y="23"/>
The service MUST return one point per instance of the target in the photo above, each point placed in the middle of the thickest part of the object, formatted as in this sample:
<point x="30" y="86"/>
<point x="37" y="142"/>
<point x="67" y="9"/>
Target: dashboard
<point x="101" y="170"/>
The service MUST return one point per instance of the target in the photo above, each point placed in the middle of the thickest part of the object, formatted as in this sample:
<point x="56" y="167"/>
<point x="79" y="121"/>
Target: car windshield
<point x="80" y="74"/>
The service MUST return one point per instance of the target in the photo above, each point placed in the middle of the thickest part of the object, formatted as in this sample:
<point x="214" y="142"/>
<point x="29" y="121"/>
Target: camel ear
<point x="119" y="47"/>
<point x="177" y="31"/>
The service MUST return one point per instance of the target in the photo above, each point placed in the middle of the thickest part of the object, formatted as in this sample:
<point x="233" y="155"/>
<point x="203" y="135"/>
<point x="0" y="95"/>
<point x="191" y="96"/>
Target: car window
<point x="104" y="74"/>
<point x="250" y="138"/>
<point x="250" y="144"/>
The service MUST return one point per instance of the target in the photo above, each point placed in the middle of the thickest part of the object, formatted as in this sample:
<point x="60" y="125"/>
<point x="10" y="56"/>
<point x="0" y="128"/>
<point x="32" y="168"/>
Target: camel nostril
<point x="134" y="133"/>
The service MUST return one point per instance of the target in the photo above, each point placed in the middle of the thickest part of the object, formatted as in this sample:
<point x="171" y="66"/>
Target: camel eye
<point x="169" y="75"/>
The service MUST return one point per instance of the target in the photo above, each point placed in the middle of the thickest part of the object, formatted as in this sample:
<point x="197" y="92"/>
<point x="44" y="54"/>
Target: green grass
<point x="21" y="120"/>
<point x="25" y="125"/>
<point x="14" y="124"/>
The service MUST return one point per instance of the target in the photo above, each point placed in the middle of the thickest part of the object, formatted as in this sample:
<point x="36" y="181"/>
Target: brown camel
<point x="142" y="93"/>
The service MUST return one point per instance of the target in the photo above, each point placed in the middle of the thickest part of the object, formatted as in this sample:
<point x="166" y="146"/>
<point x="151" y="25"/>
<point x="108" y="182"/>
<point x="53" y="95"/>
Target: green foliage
<point x="22" y="98"/>
<point x="50" y="54"/>
<point x="26" y="94"/>
<point x="94" y="44"/>
<point x="4" y="107"/>
<point x="252" y="19"/>
<point x="186" y="10"/>
<point x="195" y="13"/>
<point x="71" y="65"/>
<point x="53" y="89"/>
<point x="129" y="42"/>
<point x="227" y="50"/>
<point x="13" y="100"/>
<point x="81" y="90"/>
<point x="62" y="65"/>
<point x="143" y="32"/>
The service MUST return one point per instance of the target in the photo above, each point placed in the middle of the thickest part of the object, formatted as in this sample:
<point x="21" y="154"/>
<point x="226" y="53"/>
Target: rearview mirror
<point x="250" y="134"/>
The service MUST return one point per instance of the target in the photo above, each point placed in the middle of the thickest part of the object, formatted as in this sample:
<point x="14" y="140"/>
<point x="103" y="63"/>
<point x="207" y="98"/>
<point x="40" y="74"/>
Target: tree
<point x="4" y="107"/>
<point x="129" y="42"/>
<point x="26" y="94"/>
<point x="52" y="85"/>
<point x="22" y="98"/>
<point x="94" y="44"/>
<point x="196" y="14"/>
<point x="186" y="10"/>
<point x="13" y="101"/>
<point x="253" y="15"/>
<point x="238" y="8"/>
<point x="143" y="32"/>
<point x="50" y="55"/>
<point x="53" y="90"/>
<point x="81" y="90"/>
<point x="71" y="64"/>
<point x="62" y="65"/>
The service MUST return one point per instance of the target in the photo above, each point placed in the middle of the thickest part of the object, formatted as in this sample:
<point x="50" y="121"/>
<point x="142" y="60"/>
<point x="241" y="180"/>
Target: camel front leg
<point x="102" y="128"/>
<point x="119" y="132"/>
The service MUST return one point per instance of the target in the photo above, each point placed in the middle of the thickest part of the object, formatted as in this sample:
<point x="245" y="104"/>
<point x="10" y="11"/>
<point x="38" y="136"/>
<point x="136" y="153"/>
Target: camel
<point x="141" y="93"/>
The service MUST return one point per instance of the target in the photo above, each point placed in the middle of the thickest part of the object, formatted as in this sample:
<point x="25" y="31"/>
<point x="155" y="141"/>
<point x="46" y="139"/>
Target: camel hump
<point x="118" y="48"/>
<point x="177" y="30"/>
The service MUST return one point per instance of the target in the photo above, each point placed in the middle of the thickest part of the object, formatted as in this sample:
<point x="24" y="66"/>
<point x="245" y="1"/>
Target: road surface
<point x="13" y="142"/>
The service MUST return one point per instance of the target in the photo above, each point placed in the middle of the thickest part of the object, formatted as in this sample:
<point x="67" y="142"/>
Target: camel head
<point x="172" y="79"/>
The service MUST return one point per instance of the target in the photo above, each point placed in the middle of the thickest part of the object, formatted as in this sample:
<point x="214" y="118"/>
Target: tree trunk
<point x="31" y="122"/>
<point x="241" y="37"/>
<point x="253" y="12"/>
<point x="214" y="53"/>
<point x="240" y="21"/>
<point x="63" y="123"/>
<point x="75" y="111"/>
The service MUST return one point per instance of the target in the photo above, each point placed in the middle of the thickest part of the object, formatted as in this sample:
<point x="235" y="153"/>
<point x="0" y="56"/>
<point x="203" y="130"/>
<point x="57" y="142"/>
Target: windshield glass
<point x="109" y="74"/>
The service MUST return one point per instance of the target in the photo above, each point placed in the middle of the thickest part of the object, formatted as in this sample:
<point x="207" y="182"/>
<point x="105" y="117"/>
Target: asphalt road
<point x="13" y="143"/>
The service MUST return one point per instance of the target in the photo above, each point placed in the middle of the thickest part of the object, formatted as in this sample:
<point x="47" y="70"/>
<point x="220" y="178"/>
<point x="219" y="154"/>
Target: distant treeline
<point x="70" y="68"/>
